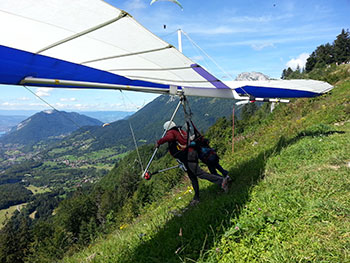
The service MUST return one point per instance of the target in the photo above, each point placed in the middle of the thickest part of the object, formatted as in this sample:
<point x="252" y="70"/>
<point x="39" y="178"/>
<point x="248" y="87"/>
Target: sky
<point x="227" y="37"/>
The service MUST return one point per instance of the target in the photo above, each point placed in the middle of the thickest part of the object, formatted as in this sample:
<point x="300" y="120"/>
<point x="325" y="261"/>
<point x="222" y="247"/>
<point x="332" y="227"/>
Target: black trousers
<point x="194" y="172"/>
<point x="214" y="165"/>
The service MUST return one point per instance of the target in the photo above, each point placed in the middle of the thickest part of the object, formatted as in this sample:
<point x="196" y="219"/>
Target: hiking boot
<point x="224" y="184"/>
<point x="225" y="173"/>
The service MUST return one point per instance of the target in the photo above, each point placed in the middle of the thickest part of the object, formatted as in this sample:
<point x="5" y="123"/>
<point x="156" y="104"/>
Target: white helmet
<point x="168" y="125"/>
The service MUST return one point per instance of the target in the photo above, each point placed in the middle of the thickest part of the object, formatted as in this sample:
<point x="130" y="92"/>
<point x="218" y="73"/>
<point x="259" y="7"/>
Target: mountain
<point x="49" y="124"/>
<point x="252" y="76"/>
<point x="147" y="123"/>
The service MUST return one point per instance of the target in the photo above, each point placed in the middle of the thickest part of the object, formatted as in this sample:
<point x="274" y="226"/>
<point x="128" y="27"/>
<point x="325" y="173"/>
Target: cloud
<point x="15" y="105"/>
<point x="135" y="4"/>
<point x="68" y="99"/>
<point x="262" y="46"/>
<point x="259" y="19"/>
<point x="299" y="61"/>
<point x="23" y="99"/>
<point x="43" y="92"/>
<point x="96" y="106"/>
<point x="7" y="104"/>
<point x="197" y="58"/>
<point x="218" y="30"/>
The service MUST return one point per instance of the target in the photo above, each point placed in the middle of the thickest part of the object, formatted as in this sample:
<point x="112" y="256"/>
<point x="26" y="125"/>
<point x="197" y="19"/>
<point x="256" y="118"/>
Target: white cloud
<point x="197" y="58"/>
<point x="36" y="104"/>
<point x="218" y="30"/>
<point x="261" y="46"/>
<point x="7" y="104"/>
<point x="43" y="92"/>
<point x="15" y="105"/>
<point x="97" y="106"/>
<point x="68" y="99"/>
<point x="299" y="61"/>
<point x="259" y="19"/>
<point x="135" y="4"/>
<point x="59" y="105"/>
<point x="23" y="99"/>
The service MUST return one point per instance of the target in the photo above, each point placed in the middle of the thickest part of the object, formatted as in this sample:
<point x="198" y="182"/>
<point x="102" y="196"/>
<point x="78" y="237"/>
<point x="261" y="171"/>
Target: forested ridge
<point x="324" y="56"/>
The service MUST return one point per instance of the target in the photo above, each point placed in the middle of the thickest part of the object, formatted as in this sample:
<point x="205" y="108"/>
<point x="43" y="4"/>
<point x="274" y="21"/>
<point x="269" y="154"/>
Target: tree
<point x="286" y="73"/>
<point x="15" y="239"/>
<point x="342" y="47"/>
<point x="327" y="54"/>
<point x="311" y="62"/>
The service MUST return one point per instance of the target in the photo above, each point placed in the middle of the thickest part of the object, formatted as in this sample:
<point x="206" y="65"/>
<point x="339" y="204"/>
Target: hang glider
<point x="91" y="44"/>
<point x="173" y="1"/>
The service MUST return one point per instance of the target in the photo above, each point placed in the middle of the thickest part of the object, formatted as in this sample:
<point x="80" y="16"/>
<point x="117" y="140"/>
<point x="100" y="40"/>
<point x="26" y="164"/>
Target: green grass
<point x="60" y="150"/>
<point x="299" y="211"/>
<point x="38" y="190"/>
<point x="6" y="214"/>
<point x="100" y="166"/>
<point x="289" y="202"/>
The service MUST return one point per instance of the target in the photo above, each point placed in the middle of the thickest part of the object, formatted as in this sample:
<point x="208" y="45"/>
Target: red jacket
<point x="174" y="135"/>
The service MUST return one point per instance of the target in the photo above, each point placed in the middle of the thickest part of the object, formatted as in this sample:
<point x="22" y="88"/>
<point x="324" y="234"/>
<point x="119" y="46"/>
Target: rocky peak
<point x="252" y="76"/>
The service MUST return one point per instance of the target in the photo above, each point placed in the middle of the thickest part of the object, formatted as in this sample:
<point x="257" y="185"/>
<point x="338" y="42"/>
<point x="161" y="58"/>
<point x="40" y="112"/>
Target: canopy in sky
<point x="92" y="44"/>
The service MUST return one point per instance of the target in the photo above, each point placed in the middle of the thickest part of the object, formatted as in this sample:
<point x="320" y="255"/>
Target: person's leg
<point x="212" y="168"/>
<point x="195" y="185"/>
<point x="222" y="170"/>
<point x="214" y="161"/>
<point x="193" y="166"/>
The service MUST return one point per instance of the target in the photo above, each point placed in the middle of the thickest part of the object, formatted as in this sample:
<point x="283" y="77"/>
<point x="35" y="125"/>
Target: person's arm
<point x="169" y="136"/>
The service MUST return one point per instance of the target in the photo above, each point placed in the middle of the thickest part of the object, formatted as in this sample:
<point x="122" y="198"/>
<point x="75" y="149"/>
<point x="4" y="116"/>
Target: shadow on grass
<point x="185" y="237"/>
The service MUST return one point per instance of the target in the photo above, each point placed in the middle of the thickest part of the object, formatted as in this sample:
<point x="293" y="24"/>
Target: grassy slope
<point x="5" y="214"/>
<point x="289" y="201"/>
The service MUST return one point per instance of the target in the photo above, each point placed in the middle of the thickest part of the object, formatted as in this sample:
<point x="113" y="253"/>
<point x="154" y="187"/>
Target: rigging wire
<point x="197" y="50"/>
<point x="136" y="147"/>
<point x="167" y="35"/>
<point x="47" y="103"/>
<point x="205" y="53"/>
<point x="210" y="58"/>
<point x="132" y="131"/>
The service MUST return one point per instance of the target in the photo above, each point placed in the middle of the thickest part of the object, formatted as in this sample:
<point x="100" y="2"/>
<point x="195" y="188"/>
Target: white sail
<point x="91" y="44"/>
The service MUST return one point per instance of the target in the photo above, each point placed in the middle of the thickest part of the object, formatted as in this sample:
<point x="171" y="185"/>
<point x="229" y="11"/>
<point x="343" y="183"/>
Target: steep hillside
<point x="45" y="125"/>
<point x="289" y="201"/>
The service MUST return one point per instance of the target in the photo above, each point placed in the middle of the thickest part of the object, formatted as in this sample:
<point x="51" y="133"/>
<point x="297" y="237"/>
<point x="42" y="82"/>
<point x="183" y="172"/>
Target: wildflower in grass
<point x="237" y="228"/>
<point x="180" y="232"/>
<point x="178" y="250"/>
<point x="259" y="209"/>
<point x="91" y="257"/>
<point x="217" y="250"/>
<point x="189" y="190"/>
<point x="123" y="226"/>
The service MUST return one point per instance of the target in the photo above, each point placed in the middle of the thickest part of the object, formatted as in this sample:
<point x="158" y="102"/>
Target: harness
<point x="178" y="150"/>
